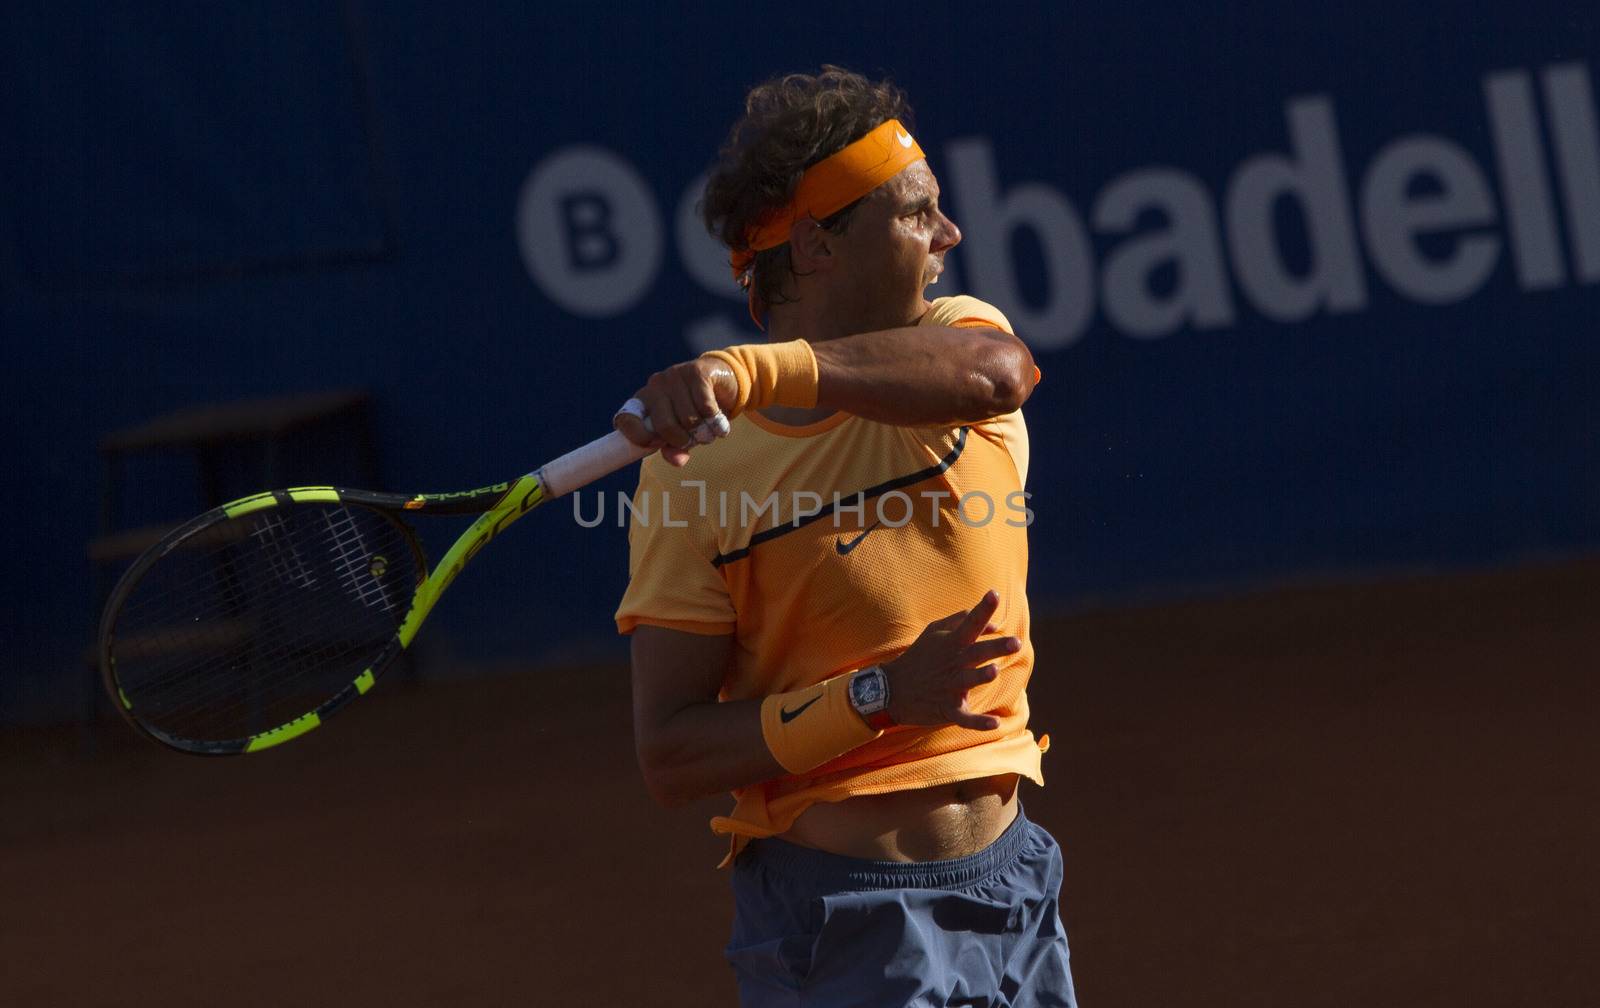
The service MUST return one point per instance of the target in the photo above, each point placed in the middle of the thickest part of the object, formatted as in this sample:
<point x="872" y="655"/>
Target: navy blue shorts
<point x="812" y="928"/>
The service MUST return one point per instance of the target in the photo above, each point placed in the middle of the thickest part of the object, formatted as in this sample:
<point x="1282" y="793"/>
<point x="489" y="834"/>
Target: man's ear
<point x="810" y="247"/>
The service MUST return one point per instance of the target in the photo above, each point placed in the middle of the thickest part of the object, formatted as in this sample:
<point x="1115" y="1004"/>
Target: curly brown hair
<point x="789" y="124"/>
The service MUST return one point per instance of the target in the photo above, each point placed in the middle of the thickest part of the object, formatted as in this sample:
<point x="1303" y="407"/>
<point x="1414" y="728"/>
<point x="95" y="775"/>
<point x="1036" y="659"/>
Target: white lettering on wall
<point x="1393" y="218"/>
<point x="1426" y="207"/>
<point x="1569" y="97"/>
<point x="1189" y="242"/>
<point x="1313" y="177"/>
<point x="987" y="220"/>
<point x="587" y="227"/>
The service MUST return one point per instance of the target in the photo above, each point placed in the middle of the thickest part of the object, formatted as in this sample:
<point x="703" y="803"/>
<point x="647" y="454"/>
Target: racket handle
<point x="582" y="466"/>
<point x="604" y="456"/>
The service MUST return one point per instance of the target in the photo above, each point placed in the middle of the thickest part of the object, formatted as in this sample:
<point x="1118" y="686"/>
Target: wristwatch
<point x="869" y="695"/>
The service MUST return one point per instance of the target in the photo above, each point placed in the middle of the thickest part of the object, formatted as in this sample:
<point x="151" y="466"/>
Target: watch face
<point x="867" y="690"/>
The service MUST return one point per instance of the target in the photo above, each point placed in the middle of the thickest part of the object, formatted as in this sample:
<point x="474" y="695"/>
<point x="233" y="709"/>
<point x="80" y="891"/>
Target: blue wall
<point x="1311" y="293"/>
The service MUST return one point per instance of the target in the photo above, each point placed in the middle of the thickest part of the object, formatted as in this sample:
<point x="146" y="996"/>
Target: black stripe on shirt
<point x="863" y="495"/>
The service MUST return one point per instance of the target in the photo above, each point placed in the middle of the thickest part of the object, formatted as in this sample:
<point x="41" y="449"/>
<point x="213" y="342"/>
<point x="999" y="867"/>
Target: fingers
<point x="634" y="429"/>
<point x="947" y="624"/>
<point x="681" y="404"/>
<point x="942" y="698"/>
<point x="657" y="396"/>
<point x="976" y="677"/>
<point x="977" y="722"/>
<point x="638" y="429"/>
<point x="986" y="650"/>
<point x="693" y="415"/>
<point x="702" y="390"/>
<point x="978" y="617"/>
<point x="721" y="383"/>
<point x="936" y="674"/>
<point x="685" y="400"/>
<point x="675" y="456"/>
<point x="969" y="680"/>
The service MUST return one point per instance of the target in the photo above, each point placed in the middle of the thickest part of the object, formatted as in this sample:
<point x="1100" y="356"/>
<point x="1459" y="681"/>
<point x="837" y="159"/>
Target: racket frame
<point x="497" y="506"/>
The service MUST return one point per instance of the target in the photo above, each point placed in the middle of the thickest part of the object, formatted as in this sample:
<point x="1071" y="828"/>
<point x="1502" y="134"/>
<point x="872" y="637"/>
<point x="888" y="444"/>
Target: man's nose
<point x="948" y="236"/>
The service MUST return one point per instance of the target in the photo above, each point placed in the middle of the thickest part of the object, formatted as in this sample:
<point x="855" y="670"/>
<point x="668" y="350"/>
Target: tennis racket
<point x="253" y="623"/>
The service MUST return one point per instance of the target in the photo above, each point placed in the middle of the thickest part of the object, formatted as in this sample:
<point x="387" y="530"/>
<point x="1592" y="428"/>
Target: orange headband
<point x="829" y="186"/>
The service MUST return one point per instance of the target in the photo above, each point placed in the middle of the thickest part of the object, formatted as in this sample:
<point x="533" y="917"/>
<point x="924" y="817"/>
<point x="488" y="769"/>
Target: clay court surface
<point x="1375" y="794"/>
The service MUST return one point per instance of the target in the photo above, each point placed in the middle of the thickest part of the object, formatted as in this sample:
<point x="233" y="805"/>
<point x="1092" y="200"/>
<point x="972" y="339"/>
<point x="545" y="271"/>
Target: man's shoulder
<point x="964" y="309"/>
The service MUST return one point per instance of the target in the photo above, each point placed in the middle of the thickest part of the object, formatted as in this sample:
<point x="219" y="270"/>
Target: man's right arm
<point x="690" y="745"/>
<point x="908" y="377"/>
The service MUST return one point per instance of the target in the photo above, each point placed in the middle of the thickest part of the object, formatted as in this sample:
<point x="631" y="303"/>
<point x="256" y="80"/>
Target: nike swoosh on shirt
<point x="870" y="493"/>
<point x="845" y="547"/>
<point x="786" y="715"/>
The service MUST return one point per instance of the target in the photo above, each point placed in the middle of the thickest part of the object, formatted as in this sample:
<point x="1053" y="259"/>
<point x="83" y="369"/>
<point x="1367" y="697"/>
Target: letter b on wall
<point x="588" y="230"/>
<point x="988" y="218"/>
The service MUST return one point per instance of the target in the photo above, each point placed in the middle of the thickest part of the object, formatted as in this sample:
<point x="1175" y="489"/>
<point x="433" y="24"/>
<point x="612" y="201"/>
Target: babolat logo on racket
<point x="423" y="500"/>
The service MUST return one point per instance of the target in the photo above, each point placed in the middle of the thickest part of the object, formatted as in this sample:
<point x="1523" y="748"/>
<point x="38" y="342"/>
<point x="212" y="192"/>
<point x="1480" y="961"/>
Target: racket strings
<point x="216" y="630"/>
<point x="214" y="696"/>
<point x="228" y="590"/>
<point x="203" y="687"/>
<point x="265" y="622"/>
<point x="352" y="553"/>
<point x="282" y="663"/>
<point x="220" y="622"/>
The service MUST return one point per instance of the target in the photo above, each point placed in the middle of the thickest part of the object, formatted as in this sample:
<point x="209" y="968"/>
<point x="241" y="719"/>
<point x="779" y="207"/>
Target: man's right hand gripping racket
<point x="251" y="624"/>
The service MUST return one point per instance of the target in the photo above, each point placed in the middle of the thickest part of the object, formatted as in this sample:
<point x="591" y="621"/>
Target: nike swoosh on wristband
<point x="845" y="547"/>
<point x="786" y="715"/>
<point x="904" y="138"/>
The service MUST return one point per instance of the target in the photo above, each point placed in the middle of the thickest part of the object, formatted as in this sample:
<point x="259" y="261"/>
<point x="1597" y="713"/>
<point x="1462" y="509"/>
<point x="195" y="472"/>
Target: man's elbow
<point x="663" y="784"/>
<point x="1004" y="380"/>
<point x="663" y="795"/>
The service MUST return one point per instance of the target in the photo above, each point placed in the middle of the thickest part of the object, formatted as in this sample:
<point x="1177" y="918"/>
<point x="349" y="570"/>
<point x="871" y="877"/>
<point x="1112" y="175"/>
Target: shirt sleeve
<point x="1009" y="431"/>
<point x="964" y="310"/>
<point x="671" y="581"/>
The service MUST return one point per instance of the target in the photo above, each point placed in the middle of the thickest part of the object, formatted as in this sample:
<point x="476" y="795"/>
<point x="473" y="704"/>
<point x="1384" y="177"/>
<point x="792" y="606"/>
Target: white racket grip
<point x="604" y="456"/>
<point x="582" y="466"/>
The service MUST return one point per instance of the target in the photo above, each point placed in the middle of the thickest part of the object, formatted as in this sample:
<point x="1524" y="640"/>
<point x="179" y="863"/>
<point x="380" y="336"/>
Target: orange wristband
<point x="806" y="728"/>
<point x="771" y="374"/>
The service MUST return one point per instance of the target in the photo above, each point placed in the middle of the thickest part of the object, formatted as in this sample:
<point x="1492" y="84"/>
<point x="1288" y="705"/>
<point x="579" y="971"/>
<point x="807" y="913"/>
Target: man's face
<point x="893" y="248"/>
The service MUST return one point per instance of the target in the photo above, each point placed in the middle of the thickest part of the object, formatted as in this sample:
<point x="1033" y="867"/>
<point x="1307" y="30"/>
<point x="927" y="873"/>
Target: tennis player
<point x="827" y="605"/>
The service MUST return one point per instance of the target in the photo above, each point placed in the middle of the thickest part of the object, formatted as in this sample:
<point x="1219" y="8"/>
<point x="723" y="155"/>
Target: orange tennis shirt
<point x="830" y="547"/>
